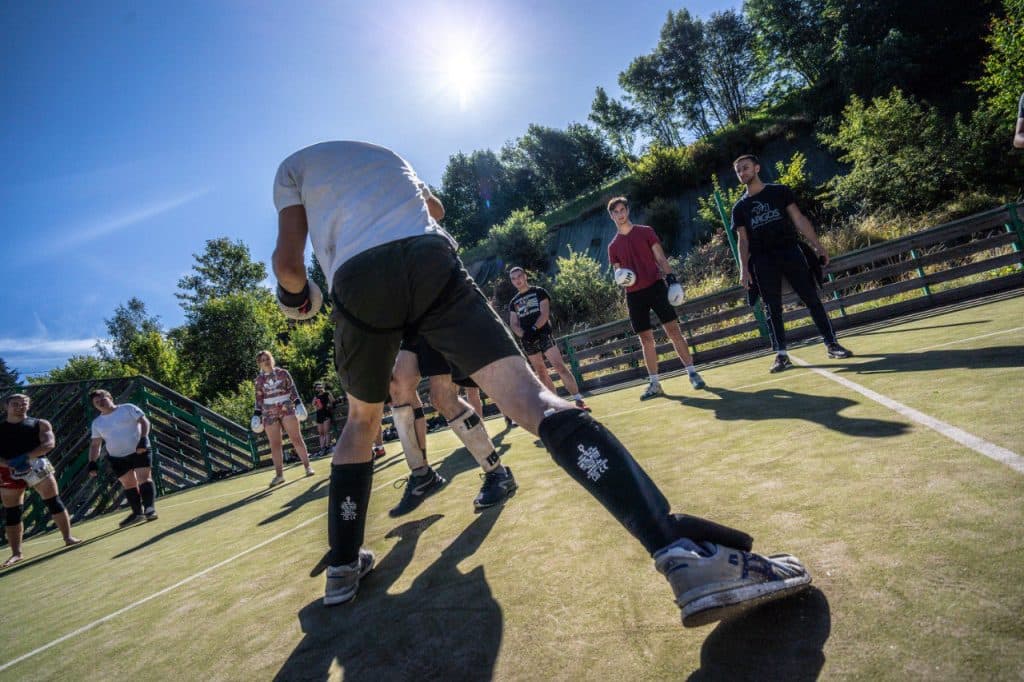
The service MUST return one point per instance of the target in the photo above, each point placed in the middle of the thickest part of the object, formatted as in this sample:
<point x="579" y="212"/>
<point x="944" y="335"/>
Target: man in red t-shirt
<point x="637" y="248"/>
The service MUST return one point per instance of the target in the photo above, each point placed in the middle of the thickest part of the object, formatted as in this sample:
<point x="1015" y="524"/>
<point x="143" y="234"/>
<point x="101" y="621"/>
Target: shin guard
<point x="470" y="430"/>
<point x="134" y="499"/>
<point x="346" y="510"/>
<point x="147" y="491"/>
<point x="404" y="418"/>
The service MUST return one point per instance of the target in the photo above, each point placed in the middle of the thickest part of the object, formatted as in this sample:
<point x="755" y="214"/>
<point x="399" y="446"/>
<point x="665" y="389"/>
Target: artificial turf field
<point x="913" y="539"/>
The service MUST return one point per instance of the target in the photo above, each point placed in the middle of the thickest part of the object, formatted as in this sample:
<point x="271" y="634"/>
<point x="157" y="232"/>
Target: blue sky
<point x="132" y="132"/>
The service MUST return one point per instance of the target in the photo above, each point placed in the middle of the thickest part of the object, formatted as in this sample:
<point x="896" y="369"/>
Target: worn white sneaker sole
<point x="728" y="602"/>
<point x="343" y="593"/>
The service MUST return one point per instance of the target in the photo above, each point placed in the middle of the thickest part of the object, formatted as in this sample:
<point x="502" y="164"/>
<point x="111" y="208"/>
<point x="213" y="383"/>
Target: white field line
<point x="973" y="338"/>
<point x="170" y="588"/>
<point x="979" y="445"/>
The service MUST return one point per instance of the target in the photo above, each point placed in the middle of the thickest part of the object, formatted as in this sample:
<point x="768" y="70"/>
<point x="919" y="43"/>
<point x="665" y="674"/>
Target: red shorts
<point x="12" y="483"/>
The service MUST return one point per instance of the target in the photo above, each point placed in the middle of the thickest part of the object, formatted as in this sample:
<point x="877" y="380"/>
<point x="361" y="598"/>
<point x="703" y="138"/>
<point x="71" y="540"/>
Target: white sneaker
<point x="728" y="582"/>
<point x="277" y="480"/>
<point x="343" y="581"/>
<point x="310" y="472"/>
<point x="653" y="390"/>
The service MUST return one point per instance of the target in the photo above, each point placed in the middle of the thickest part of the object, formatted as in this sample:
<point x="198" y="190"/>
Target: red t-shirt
<point x="633" y="251"/>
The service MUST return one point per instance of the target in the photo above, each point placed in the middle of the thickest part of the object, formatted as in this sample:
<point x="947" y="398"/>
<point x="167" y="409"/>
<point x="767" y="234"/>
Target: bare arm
<point x="434" y="205"/>
<point x="289" y="266"/>
<point x="660" y="259"/>
<point x="94" y="449"/>
<point x="743" y="247"/>
<point x="1018" y="139"/>
<point x="803" y="225"/>
<point x="545" y="314"/>
<point x="47" y="441"/>
<point x="513" y="323"/>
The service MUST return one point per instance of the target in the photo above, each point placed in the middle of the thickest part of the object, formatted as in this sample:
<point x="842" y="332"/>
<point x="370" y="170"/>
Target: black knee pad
<point x="417" y="413"/>
<point x="12" y="515"/>
<point x="55" y="505"/>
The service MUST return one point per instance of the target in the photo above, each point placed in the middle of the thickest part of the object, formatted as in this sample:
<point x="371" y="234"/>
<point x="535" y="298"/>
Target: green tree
<point x="156" y="356"/>
<point x="8" y="376"/>
<point x="664" y="218"/>
<point x="309" y="353"/>
<point x="236" y="405"/>
<point x="899" y="153"/>
<point x="82" y="367"/>
<point x="129" y="321"/>
<point x="794" y="35"/>
<point x="618" y="122"/>
<point x="582" y="295"/>
<point x="1003" y="78"/>
<point x="521" y="240"/>
<point x="219" y="343"/>
<point x="473" y="191"/>
<point x="225" y="267"/>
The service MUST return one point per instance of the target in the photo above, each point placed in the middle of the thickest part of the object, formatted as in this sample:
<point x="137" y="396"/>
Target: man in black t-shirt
<point x="768" y="226"/>
<point x="529" y="315"/>
<point x="1018" y="139"/>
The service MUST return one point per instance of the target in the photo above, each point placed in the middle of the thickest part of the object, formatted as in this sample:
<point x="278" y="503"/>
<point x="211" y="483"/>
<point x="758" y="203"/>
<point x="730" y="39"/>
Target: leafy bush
<point x="899" y="153"/>
<point x="663" y="172"/>
<point x="520" y="240"/>
<point x="236" y="405"/>
<point x="582" y="295"/>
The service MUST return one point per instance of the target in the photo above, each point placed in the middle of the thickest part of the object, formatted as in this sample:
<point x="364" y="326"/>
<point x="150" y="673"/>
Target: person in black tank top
<point x="24" y="442"/>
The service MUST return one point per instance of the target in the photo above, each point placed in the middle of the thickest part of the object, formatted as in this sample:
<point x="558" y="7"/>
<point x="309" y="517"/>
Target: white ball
<point x="676" y="295"/>
<point x="625" y="277"/>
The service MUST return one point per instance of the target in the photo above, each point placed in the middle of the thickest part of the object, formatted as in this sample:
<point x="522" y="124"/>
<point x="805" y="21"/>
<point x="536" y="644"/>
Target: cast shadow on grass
<point x="779" y="403"/>
<point x="446" y="626"/>
<point x="315" y="492"/>
<point x="197" y="520"/>
<point x="784" y="640"/>
<point x="994" y="357"/>
<point x="55" y="552"/>
<point x="887" y="330"/>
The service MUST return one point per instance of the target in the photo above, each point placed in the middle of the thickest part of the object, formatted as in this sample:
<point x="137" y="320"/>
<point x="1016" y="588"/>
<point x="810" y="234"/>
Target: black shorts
<point x="122" y="465"/>
<point x="537" y="342"/>
<point x="399" y="289"/>
<point x="432" y="363"/>
<point x="322" y="416"/>
<point x="641" y="303"/>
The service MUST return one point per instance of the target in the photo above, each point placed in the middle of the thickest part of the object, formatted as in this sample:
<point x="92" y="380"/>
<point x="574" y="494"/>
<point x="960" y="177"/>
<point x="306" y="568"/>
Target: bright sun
<point x="463" y="75"/>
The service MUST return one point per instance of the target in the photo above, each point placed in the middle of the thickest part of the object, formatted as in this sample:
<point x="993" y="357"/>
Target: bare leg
<point x="650" y="351"/>
<point x="294" y="429"/>
<point x="355" y="444"/>
<point x="13" y="498"/>
<point x="554" y="356"/>
<point x="47" y="489"/>
<point x="675" y="334"/>
<point x="541" y="370"/>
<point x="273" y="432"/>
<point x="474" y="399"/>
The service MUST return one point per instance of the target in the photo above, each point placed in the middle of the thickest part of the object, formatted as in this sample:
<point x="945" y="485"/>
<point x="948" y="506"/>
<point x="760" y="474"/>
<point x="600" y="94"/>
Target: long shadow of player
<point x="197" y="520"/>
<point x="993" y="357"/>
<point x="315" y="492"/>
<point x="780" y="641"/>
<point x="779" y="403"/>
<point x="446" y="626"/>
<point x="889" y="330"/>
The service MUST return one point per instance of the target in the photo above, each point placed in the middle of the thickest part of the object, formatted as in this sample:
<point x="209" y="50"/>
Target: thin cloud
<point x="47" y="347"/>
<point x="116" y="223"/>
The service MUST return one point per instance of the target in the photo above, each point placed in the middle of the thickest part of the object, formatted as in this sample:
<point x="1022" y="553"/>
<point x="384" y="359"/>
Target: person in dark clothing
<point x="768" y="226"/>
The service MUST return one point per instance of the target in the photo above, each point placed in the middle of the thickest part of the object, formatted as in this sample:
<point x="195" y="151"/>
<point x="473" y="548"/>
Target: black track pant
<point x="768" y="269"/>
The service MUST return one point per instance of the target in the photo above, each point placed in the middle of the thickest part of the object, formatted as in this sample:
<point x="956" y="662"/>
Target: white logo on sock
<point x="591" y="462"/>
<point x="348" y="510"/>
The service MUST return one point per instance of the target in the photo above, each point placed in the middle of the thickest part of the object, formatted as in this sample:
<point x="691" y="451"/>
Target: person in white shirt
<point x="124" y="429"/>
<point x="393" y="271"/>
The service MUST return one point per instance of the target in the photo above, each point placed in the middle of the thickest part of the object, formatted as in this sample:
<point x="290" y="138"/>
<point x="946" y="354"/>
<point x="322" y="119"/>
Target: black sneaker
<point x="509" y="424"/>
<point x="837" y="352"/>
<point x="781" y="362"/>
<point x="417" y="489"/>
<point x="498" y="486"/>
<point x="131" y="519"/>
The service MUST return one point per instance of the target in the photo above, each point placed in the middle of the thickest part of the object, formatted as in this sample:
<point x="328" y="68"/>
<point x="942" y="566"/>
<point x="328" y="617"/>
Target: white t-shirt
<point x="120" y="430"/>
<point x="357" y="196"/>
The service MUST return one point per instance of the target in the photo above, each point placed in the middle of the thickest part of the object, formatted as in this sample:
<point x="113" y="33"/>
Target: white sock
<point x="653" y="378"/>
<point x="578" y="396"/>
<point x="782" y="352"/>
<point x="691" y="370"/>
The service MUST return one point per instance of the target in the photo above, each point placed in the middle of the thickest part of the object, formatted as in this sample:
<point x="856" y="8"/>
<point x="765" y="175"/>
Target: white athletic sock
<point x="690" y="369"/>
<point x="405" y="425"/>
<point x="578" y="396"/>
<point x="653" y="378"/>
<point x="782" y="352"/>
<point x="470" y="430"/>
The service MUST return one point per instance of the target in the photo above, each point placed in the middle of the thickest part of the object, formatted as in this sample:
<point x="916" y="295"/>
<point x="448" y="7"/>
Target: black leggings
<point x="768" y="269"/>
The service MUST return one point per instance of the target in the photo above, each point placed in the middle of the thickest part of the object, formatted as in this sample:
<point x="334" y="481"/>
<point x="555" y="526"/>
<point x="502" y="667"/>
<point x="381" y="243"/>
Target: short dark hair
<point x="615" y="201"/>
<point x="515" y="268"/>
<point x="12" y="396"/>
<point x="100" y="392"/>
<point x="757" y="161"/>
